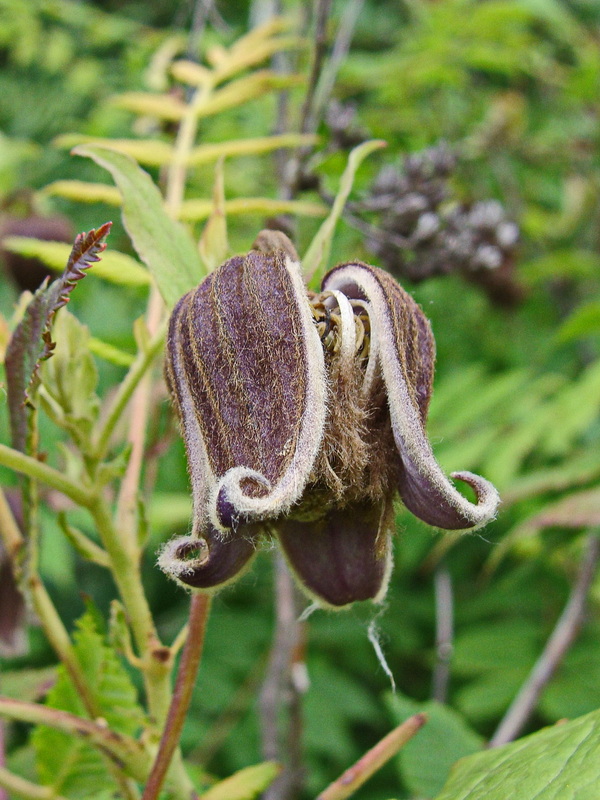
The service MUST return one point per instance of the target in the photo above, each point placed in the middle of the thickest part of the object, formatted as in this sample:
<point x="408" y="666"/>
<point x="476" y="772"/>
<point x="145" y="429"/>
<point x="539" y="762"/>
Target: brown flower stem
<point x="126" y="752"/>
<point x="562" y="637"/>
<point x="353" y="778"/>
<point x="19" y="787"/>
<point x="444" y="633"/>
<point x="184" y="686"/>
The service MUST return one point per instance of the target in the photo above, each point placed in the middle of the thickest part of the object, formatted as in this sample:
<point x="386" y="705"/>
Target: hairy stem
<point x="373" y="760"/>
<point x="184" y="686"/>
<point x="562" y="637"/>
<point x="156" y="660"/>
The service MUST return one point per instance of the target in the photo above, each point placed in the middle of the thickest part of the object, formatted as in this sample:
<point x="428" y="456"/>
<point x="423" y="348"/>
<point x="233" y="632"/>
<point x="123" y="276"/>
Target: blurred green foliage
<point x="513" y="85"/>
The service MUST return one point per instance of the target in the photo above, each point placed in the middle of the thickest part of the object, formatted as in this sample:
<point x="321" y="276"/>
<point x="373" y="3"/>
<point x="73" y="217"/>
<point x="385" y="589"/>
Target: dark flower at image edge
<point x="303" y="416"/>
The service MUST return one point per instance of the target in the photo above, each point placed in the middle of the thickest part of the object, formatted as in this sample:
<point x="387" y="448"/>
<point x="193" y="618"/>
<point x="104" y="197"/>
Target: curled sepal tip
<point x="209" y="562"/>
<point x="406" y="355"/>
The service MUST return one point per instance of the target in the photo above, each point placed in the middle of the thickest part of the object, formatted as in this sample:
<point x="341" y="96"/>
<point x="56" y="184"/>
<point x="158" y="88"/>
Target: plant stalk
<point x="184" y="686"/>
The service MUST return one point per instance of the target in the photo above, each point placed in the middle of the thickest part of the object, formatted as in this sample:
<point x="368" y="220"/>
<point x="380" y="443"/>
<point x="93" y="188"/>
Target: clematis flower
<point x="303" y="416"/>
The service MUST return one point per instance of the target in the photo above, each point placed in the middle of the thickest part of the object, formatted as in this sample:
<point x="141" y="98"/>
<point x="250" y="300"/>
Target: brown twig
<point x="280" y="691"/>
<point x="184" y="686"/>
<point x="308" y="120"/>
<point x="444" y="623"/>
<point x="341" y="46"/>
<point x="562" y="637"/>
<point x="353" y="778"/>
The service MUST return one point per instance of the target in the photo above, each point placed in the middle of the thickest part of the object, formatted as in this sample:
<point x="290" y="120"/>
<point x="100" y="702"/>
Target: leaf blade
<point x="163" y="244"/>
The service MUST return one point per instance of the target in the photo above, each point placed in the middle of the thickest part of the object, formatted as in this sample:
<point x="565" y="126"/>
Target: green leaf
<point x="69" y="380"/>
<point x="69" y="764"/>
<point x="246" y="784"/>
<point x="116" y="267"/>
<point x="163" y="244"/>
<point x="583" y="322"/>
<point x="559" y="762"/>
<point x="425" y="761"/>
<point x="316" y="257"/>
<point x="110" y="353"/>
<point x="27" y="684"/>
<point x="31" y="342"/>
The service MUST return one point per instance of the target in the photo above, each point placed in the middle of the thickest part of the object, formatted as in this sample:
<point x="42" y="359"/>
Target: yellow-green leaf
<point x="243" y="147"/>
<point x="110" y="353"/>
<point x="162" y="106"/>
<point x="195" y="210"/>
<point x="115" y="267"/>
<point x="84" y="192"/>
<point x="151" y="152"/>
<point x="317" y="255"/>
<point x="244" y="89"/>
<point x="246" y="784"/>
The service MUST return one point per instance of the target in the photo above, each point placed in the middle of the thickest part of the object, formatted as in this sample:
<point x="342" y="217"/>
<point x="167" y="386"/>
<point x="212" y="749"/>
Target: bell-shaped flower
<point x="303" y="416"/>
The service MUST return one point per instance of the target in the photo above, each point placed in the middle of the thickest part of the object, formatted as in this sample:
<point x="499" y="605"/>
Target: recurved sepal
<point x="406" y="356"/>
<point x="246" y="368"/>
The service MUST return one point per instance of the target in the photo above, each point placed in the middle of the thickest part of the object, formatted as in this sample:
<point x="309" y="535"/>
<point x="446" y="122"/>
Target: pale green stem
<point x="26" y="465"/>
<point x="54" y="629"/>
<point x="128" y="386"/>
<point x="19" y="787"/>
<point x="124" y="750"/>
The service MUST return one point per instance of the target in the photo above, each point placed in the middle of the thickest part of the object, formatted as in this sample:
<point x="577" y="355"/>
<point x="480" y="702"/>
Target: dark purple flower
<point x="303" y="415"/>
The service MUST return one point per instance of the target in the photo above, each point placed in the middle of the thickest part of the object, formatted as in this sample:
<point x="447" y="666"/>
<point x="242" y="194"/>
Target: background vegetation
<point x="512" y="89"/>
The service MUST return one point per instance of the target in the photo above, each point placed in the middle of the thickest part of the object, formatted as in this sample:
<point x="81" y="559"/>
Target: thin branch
<point x="127" y="387"/>
<point x="341" y="46"/>
<point x="138" y="422"/>
<point x="444" y="620"/>
<point x="282" y="692"/>
<point x="26" y="465"/>
<point x="562" y="637"/>
<point x="184" y="686"/>
<point x="308" y="121"/>
<point x="124" y="750"/>
<point x="19" y="787"/>
<point x="374" y="759"/>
